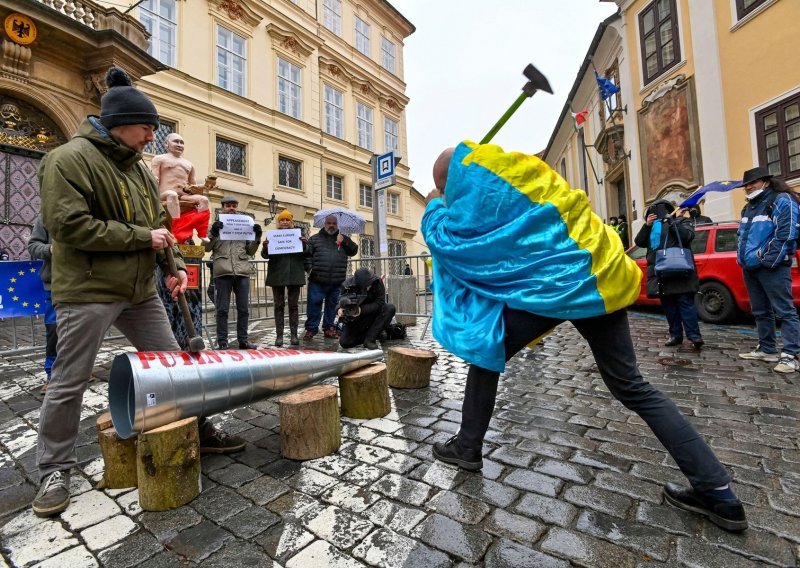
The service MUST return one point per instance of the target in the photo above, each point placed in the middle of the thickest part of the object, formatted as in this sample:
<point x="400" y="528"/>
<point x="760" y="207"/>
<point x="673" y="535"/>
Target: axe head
<point x="536" y="81"/>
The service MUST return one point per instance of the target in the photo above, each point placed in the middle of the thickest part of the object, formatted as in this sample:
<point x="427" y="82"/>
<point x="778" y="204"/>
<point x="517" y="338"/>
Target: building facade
<point x="272" y="97"/>
<point x="706" y="92"/>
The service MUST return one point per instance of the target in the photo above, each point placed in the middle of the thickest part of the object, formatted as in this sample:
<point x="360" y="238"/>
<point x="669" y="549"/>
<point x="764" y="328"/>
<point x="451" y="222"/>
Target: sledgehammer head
<point x="536" y="81"/>
<point x="196" y="344"/>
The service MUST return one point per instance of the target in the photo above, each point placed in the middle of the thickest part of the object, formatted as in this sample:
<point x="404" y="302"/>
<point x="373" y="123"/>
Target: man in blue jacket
<point x="767" y="243"/>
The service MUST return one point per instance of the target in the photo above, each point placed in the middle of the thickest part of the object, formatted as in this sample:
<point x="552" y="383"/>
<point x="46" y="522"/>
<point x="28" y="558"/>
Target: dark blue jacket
<point x="768" y="239"/>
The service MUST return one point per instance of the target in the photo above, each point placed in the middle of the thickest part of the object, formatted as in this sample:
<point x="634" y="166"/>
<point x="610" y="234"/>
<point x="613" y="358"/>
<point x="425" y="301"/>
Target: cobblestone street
<point x="570" y="477"/>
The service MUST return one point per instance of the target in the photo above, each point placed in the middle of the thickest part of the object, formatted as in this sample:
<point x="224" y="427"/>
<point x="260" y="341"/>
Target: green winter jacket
<point x="231" y="258"/>
<point x="99" y="204"/>
<point x="285" y="269"/>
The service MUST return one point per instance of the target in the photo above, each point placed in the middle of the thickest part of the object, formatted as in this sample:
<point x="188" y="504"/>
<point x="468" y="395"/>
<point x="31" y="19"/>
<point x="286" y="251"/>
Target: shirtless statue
<point x="176" y="178"/>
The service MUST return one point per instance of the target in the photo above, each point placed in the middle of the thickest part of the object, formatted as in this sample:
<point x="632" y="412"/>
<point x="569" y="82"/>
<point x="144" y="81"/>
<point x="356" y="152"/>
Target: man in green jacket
<point x="101" y="206"/>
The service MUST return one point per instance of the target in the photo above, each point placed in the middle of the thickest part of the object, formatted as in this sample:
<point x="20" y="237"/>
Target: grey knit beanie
<point x="125" y="104"/>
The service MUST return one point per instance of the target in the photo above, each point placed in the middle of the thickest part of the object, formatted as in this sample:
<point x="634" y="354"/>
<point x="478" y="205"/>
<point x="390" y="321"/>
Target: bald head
<point x="440" y="168"/>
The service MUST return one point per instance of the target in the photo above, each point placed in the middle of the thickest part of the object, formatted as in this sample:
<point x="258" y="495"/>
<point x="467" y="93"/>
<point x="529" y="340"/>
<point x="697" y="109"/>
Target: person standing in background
<point x="40" y="247"/>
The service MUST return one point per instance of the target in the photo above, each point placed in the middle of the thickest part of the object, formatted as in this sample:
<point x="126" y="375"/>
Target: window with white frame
<point x="290" y="173"/>
<point x="362" y="36"/>
<point x="231" y="156"/>
<point x="387" y="55"/>
<point x="159" y="143"/>
<point x="364" y="123"/>
<point x="334" y="114"/>
<point x="231" y="61"/>
<point x="334" y="187"/>
<point x="289" y="88"/>
<point x="390" y="133"/>
<point x="365" y="195"/>
<point x="393" y="203"/>
<point x="160" y="18"/>
<point x="332" y="15"/>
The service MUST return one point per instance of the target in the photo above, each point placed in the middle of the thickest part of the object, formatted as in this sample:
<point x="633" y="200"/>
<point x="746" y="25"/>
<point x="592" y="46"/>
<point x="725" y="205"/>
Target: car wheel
<point x="715" y="303"/>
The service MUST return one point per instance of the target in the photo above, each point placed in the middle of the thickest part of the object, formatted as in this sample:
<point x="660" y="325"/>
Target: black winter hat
<point x="755" y="174"/>
<point x="362" y="277"/>
<point x="125" y="104"/>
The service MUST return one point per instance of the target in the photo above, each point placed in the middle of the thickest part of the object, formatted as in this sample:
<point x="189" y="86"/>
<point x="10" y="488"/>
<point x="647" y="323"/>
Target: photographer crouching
<point x="363" y="310"/>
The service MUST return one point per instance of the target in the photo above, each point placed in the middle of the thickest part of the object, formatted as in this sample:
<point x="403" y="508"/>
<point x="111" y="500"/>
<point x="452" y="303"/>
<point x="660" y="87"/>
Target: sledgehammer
<point x="196" y="342"/>
<point x="536" y="82"/>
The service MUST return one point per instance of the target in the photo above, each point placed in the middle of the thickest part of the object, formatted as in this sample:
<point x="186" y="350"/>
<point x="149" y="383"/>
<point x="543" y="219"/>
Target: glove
<point x="257" y="229"/>
<point x="215" y="228"/>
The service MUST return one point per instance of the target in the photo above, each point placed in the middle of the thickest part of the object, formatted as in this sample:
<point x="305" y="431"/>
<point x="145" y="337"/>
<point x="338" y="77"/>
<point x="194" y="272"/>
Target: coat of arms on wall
<point x="669" y="138"/>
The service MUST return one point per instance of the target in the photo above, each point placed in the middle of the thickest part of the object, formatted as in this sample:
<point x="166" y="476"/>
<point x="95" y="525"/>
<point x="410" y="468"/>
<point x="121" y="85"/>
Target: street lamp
<point x="273" y="209"/>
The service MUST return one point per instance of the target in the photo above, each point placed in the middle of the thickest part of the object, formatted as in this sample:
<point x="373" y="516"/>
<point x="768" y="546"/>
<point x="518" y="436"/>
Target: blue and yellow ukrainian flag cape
<point x="513" y="233"/>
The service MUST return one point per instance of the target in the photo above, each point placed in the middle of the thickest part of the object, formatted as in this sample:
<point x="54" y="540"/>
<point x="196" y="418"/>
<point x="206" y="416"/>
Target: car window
<point x="637" y="252"/>
<point x="726" y="240"/>
<point x="699" y="242"/>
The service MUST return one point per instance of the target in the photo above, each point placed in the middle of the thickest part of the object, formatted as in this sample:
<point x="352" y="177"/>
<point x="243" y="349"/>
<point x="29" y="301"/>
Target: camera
<point x="351" y="302"/>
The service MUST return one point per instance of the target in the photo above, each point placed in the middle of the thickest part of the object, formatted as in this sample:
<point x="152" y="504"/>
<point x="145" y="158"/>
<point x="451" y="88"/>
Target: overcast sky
<point x="463" y="69"/>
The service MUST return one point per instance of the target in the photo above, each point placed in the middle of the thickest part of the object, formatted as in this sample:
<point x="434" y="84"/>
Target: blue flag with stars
<point x="22" y="292"/>
<point x="697" y="195"/>
<point x="607" y="86"/>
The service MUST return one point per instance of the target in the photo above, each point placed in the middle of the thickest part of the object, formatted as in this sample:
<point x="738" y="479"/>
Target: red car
<point x="722" y="293"/>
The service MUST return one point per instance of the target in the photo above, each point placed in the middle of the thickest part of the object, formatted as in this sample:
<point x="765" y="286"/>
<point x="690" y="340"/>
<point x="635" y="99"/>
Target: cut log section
<point x="168" y="465"/>
<point x="310" y="423"/>
<point x="409" y="368"/>
<point x="119" y="455"/>
<point x="365" y="392"/>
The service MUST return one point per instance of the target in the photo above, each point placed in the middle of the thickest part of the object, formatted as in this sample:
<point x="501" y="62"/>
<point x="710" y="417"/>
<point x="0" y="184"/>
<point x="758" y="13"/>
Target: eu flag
<point x="607" y="87"/>
<point x="697" y="195"/>
<point x="21" y="289"/>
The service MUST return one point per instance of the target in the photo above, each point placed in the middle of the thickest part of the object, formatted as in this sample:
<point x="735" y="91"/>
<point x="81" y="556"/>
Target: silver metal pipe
<point x="151" y="389"/>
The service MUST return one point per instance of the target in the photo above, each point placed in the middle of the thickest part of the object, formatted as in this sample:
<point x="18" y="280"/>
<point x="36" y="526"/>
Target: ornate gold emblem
<point x="20" y="29"/>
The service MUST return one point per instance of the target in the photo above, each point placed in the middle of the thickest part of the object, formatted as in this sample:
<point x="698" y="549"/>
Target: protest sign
<point x="236" y="228"/>
<point x="284" y="241"/>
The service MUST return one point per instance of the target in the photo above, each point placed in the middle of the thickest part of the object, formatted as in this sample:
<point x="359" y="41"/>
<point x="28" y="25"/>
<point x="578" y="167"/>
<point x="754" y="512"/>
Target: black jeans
<point x="366" y="328"/>
<point x="240" y="286"/>
<point x="610" y="341"/>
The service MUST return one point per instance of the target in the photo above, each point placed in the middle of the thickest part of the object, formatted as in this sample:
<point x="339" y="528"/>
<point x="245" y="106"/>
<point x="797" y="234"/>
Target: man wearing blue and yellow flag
<point x="515" y="253"/>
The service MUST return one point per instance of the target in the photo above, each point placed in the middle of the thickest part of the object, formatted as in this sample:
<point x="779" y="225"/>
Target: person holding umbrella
<point x="326" y="264"/>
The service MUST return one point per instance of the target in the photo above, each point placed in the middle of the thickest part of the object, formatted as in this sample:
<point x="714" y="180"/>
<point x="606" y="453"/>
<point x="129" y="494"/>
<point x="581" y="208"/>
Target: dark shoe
<point x="222" y="344"/>
<point x="309" y="335"/>
<point x="371" y="344"/>
<point x="465" y="459"/>
<point x="247" y="345"/>
<point x="293" y="339"/>
<point x="725" y="513"/>
<point x="217" y="442"/>
<point x="331" y="334"/>
<point x="53" y="495"/>
<point x="673" y="341"/>
<point x="279" y="341"/>
<point x="698" y="343"/>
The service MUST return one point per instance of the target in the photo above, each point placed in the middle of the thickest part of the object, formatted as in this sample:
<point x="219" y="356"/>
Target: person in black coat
<point x="364" y="310"/>
<point x="676" y="294"/>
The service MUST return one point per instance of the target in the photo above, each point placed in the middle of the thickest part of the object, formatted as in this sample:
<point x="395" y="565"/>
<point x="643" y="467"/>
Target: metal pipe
<point x="151" y="389"/>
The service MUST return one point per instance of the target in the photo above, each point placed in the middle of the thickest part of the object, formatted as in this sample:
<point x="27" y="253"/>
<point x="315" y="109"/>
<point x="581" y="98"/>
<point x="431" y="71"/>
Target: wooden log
<point x="119" y="456"/>
<point x="310" y="423"/>
<point x="365" y="392"/>
<point x="409" y="368"/>
<point x="168" y="465"/>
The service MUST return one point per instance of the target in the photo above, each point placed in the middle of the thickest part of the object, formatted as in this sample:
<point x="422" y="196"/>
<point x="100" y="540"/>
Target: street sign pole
<point x="382" y="177"/>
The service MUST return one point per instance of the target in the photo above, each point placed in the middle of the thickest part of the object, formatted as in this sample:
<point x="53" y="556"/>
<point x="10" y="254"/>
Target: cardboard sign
<point x="193" y="276"/>
<point x="236" y="228"/>
<point x="284" y="241"/>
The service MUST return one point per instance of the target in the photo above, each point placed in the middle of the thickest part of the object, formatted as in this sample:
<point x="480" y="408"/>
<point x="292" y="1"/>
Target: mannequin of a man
<point x="176" y="177"/>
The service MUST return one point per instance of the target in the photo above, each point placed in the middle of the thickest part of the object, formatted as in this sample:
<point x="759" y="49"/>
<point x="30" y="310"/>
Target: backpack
<point x="395" y="331"/>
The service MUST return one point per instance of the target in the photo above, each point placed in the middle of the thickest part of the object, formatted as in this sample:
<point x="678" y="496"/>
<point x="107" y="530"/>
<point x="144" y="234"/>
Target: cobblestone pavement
<point x="570" y="478"/>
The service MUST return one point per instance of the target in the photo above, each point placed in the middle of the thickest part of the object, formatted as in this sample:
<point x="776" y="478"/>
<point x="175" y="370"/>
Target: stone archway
<point x="26" y="135"/>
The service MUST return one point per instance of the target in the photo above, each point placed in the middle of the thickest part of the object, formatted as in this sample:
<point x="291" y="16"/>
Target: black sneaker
<point x="725" y="513"/>
<point x="673" y="341"/>
<point x="217" y="442"/>
<point x="247" y="345"/>
<point x="448" y="452"/>
<point x="371" y="344"/>
<point x="53" y="495"/>
<point x="221" y="345"/>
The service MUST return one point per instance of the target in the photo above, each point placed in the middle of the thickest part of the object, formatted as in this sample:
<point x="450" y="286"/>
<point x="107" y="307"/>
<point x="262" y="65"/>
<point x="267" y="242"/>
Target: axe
<point x="536" y="82"/>
<point x="196" y="342"/>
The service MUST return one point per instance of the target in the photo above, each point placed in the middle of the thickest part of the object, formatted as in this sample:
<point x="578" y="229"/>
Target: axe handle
<point x="503" y="119"/>
<point x="187" y="314"/>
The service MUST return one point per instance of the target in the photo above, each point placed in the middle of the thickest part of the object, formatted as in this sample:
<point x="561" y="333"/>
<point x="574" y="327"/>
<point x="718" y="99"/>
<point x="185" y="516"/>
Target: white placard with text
<point x="284" y="241"/>
<point x="236" y="227"/>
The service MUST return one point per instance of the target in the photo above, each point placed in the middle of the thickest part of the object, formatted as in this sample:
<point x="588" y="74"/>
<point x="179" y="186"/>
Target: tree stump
<point x="168" y="465"/>
<point x="365" y="393"/>
<point x="119" y="455"/>
<point x="310" y="423"/>
<point x="409" y="368"/>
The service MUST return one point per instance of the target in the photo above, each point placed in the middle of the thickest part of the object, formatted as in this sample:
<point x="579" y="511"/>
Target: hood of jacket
<point x="121" y="154"/>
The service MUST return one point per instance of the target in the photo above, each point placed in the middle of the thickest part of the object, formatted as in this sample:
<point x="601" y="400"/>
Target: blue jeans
<point x="240" y="287"/>
<point x="609" y="338"/>
<point x="318" y="293"/>
<point x="770" y="294"/>
<point x="681" y="315"/>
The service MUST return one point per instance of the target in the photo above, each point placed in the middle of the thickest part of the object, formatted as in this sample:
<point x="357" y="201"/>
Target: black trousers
<point x="366" y="328"/>
<point x="610" y="341"/>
